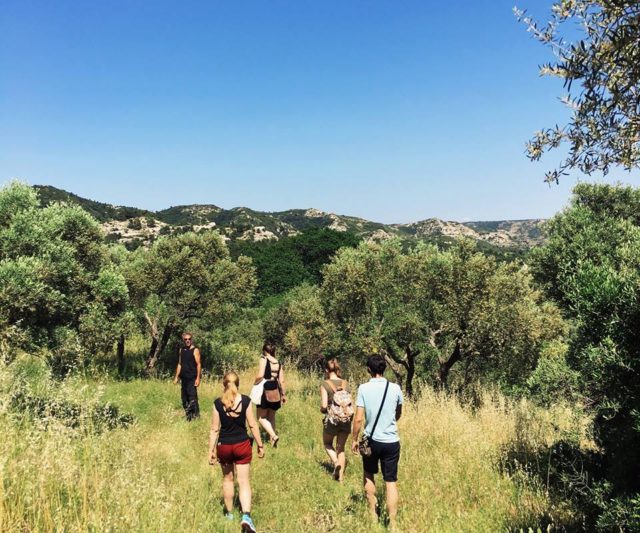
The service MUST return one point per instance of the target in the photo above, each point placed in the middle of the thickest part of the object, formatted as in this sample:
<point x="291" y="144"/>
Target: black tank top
<point x="188" y="367"/>
<point x="233" y="428"/>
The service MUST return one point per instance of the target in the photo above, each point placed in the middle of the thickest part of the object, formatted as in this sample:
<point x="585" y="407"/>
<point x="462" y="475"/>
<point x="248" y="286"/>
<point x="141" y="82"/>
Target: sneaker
<point x="247" y="524"/>
<point x="230" y="517"/>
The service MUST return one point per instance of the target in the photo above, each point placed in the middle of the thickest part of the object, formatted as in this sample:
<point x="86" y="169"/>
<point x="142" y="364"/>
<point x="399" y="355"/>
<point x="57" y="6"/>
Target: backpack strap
<point x="331" y="385"/>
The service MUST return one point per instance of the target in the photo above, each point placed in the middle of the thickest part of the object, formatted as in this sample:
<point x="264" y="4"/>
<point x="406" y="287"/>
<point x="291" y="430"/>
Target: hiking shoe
<point x="247" y="524"/>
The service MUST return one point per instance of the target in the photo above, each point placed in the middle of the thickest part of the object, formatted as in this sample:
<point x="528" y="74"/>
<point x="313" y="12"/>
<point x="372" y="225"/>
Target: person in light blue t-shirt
<point x="385" y="441"/>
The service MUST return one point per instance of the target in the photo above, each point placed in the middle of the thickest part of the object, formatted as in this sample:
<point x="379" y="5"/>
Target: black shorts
<point x="388" y="454"/>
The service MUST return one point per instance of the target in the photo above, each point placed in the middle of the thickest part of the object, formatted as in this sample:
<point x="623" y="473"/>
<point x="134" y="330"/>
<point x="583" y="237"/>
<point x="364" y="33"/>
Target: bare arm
<point x="324" y="399"/>
<point x="253" y="426"/>
<point x="283" y="389"/>
<point x="262" y="364"/>
<point x="178" y="368"/>
<point x="213" y="436"/>
<point x="357" y="425"/>
<point x="196" y="356"/>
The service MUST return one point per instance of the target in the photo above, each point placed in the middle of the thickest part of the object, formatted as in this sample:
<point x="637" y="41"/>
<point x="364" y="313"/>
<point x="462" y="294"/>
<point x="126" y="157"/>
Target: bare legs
<point x="341" y="441"/>
<point x="227" y="486"/>
<point x="392" y="500"/>
<point x="336" y="454"/>
<point x="244" y="487"/>
<point x="267" y="419"/>
<point x="392" y="497"/>
<point x="370" y="493"/>
<point x="327" y="441"/>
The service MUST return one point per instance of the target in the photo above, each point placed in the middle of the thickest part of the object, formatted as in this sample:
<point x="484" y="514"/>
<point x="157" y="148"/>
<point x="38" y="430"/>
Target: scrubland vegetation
<point x="151" y="473"/>
<point x="522" y="375"/>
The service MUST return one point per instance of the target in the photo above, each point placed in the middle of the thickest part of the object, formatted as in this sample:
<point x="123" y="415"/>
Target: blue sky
<point x="393" y="111"/>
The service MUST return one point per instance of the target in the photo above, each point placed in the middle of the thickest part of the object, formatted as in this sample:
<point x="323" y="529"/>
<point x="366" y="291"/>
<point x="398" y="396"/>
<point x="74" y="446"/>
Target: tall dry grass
<point x="153" y="476"/>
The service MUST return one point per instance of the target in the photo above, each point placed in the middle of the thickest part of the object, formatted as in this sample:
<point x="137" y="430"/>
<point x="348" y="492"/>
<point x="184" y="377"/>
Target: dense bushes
<point x="591" y="266"/>
<point x="291" y="261"/>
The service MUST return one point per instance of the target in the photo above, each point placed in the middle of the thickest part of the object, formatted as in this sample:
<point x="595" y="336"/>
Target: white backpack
<point x="340" y="410"/>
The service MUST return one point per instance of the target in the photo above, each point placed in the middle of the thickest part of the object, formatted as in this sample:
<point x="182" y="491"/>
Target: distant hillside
<point x="134" y="226"/>
<point x="102" y="212"/>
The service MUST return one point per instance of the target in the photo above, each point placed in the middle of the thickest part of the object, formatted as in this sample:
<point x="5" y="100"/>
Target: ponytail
<point x="332" y="365"/>
<point x="231" y="382"/>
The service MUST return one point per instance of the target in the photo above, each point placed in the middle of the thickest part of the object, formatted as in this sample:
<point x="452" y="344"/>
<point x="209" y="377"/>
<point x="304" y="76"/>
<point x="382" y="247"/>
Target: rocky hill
<point x="138" y="226"/>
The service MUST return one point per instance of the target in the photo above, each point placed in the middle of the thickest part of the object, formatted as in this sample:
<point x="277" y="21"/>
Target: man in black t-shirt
<point x="188" y="371"/>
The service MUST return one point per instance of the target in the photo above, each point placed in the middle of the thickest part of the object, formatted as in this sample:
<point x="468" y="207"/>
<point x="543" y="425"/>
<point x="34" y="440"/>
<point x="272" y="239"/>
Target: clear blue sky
<point x="393" y="111"/>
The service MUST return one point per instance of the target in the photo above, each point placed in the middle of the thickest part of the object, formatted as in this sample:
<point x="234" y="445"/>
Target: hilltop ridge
<point x="132" y="224"/>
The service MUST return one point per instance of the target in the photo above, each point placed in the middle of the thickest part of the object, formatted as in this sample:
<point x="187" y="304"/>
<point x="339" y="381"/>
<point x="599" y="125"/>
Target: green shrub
<point x="135" y="224"/>
<point x="553" y="380"/>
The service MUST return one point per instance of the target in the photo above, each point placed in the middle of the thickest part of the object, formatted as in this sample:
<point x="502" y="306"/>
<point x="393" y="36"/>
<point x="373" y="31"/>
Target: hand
<point x="284" y="399"/>
<point x="175" y="380"/>
<point x="197" y="383"/>
<point x="261" y="451"/>
<point x="213" y="457"/>
<point x="354" y="447"/>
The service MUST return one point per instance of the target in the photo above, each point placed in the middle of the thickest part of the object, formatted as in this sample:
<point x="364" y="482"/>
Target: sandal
<point x="274" y="441"/>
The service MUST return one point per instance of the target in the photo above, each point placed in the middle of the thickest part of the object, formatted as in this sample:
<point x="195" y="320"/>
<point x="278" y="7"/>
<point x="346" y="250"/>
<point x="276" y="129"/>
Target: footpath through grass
<point x="154" y="476"/>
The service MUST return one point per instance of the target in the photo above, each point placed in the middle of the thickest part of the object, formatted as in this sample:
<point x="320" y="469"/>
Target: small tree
<point x="601" y="72"/>
<point x="187" y="279"/>
<point x="300" y="327"/>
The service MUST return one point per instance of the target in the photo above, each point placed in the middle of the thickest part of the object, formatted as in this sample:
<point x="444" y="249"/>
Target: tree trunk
<point x="445" y="366"/>
<point x="157" y="347"/>
<point x="120" y="354"/>
<point x="411" y="371"/>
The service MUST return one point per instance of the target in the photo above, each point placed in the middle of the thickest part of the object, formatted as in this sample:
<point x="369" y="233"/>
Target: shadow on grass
<point x="326" y="466"/>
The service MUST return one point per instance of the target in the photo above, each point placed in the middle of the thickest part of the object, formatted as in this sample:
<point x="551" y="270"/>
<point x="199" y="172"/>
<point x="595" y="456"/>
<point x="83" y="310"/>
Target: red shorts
<point x="240" y="453"/>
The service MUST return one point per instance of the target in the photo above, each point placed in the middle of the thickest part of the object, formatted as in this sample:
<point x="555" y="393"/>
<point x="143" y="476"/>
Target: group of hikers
<point x="378" y="407"/>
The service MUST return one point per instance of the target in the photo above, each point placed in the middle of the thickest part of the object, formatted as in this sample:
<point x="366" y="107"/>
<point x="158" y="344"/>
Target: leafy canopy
<point x="601" y="72"/>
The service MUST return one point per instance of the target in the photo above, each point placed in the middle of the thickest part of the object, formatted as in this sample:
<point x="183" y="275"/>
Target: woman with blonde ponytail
<point x="230" y="446"/>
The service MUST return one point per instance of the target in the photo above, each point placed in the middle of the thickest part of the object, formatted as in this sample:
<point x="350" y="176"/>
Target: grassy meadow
<point x="153" y="475"/>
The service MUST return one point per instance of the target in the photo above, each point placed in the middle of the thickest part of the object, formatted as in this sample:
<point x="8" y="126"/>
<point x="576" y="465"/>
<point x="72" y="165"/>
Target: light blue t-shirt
<point x="370" y="397"/>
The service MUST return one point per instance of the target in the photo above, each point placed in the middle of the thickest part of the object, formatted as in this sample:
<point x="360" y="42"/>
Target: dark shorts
<point x="334" y="430"/>
<point x="264" y="404"/>
<point x="240" y="453"/>
<point x="388" y="455"/>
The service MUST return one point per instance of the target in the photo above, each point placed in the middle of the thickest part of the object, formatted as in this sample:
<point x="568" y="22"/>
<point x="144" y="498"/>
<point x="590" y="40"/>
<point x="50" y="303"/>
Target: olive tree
<point x="55" y="280"/>
<point x="601" y="73"/>
<point x="426" y="308"/>
<point x="185" y="280"/>
<point x="300" y="327"/>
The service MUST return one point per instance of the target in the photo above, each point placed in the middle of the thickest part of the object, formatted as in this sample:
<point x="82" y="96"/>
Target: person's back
<point x="337" y="406"/>
<point x="370" y="396"/>
<point x="233" y="420"/>
<point x="379" y="403"/>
